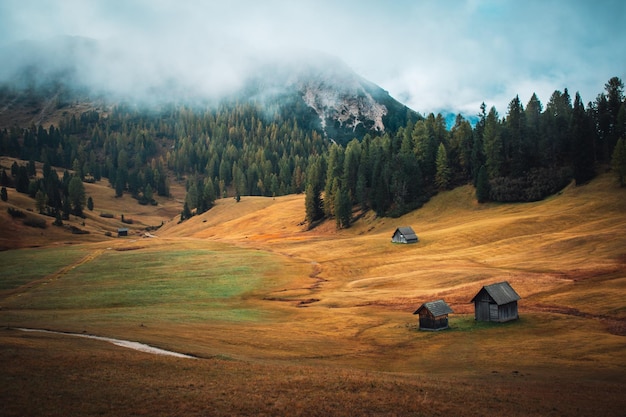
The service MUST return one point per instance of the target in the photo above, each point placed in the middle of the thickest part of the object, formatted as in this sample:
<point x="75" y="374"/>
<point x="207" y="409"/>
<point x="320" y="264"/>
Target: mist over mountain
<point x="319" y="90"/>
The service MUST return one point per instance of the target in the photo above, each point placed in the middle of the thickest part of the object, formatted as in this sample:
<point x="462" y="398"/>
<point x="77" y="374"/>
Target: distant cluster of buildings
<point x="495" y="302"/>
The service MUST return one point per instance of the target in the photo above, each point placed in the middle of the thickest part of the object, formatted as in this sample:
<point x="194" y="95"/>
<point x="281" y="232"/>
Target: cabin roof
<point x="501" y="293"/>
<point x="436" y="308"/>
<point x="407" y="232"/>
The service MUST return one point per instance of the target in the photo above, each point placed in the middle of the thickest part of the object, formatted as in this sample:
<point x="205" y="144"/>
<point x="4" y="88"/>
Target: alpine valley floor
<point x="286" y="321"/>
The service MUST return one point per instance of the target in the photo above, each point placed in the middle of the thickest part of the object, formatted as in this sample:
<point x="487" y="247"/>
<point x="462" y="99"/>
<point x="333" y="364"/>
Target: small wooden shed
<point x="496" y="302"/>
<point x="404" y="235"/>
<point x="122" y="232"/>
<point x="434" y="315"/>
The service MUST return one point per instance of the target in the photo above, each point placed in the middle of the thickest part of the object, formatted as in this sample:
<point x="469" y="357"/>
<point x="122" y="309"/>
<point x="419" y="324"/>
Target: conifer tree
<point x="618" y="162"/>
<point x="426" y="145"/>
<point x="40" y="201"/>
<point x="343" y="208"/>
<point x="460" y="152"/>
<point x="351" y="165"/>
<point x="620" y="128"/>
<point x="58" y="220"/>
<point x="556" y="122"/>
<point x="4" y="179"/>
<point x="442" y="178"/>
<point x="482" y="185"/>
<point x="494" y="157"/>
<point x="120" y="182"/>
<point x="22" y="182"/>
<point x="615" y="97"/>
<point x="76" y="194"/>
<point x="581" y="133"/>
<point x="148" y="193"/>
<point x="313" y="204"/>
<point x="334" y="172"/>
<point x="31" y="168"/>
<point x="66" y="208"/>
<point x="533" y="131"/>
<point x="478" y="157"/>
<point x="191" y="198"/>
<point x="361" y="189"/>
<point x="186" y="213"/>
<point x="516" y="150"/>
<point x="208" y="195"/>
<point x="313" y="190"/>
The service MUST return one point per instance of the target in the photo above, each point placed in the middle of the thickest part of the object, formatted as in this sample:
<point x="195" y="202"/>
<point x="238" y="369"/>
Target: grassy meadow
<point x="289" y="321"/>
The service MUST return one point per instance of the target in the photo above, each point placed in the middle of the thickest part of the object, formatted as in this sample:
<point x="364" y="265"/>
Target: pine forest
<point x="239" y="148"/>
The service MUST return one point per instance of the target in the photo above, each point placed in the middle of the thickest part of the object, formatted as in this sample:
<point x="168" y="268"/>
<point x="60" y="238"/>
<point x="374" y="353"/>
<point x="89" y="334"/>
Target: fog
<point x="432" y="56"/>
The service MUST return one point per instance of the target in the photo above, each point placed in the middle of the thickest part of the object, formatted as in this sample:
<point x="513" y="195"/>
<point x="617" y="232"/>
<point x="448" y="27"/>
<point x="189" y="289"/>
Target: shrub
<point x="58" y="221"/>
<point x="535" y="185"/>
<point x="15" y="213"/>
<point x="144" y="201"/>
<point x="483" y="189"/>
<point x="35" y="222"/>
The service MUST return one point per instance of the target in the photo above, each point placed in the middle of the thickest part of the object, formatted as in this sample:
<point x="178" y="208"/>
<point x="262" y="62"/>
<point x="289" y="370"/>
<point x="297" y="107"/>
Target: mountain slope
<point x="341" y="103"/>
<point x="319" y="91"/>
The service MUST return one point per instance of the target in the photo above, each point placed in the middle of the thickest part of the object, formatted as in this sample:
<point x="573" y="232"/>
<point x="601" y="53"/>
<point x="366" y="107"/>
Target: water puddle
<point x="123" y="343"/>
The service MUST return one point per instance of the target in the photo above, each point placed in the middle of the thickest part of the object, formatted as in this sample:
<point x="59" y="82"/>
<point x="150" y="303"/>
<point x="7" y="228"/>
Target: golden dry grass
<point x="337" y="334"/>
<point x="14" y="234"/>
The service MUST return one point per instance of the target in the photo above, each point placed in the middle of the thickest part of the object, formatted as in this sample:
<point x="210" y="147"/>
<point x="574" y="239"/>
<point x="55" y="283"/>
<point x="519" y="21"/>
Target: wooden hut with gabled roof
<point x="496" y="302"/>
<point x="434" y="315"/>
<point x="404" y="235"/>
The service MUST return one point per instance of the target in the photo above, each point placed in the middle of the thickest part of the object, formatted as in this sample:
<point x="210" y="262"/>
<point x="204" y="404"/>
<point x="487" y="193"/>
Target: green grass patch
<point x="178" y="285"/>
<point x="468" y="324"/>
<point x="22" y="266"/>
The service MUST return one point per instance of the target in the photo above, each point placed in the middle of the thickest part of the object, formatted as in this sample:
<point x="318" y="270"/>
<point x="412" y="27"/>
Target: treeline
<point x="122" y="146"/>
<point x="230" y="150"/>
<point x="242" y="148"/>
<point x="526" y="155"/>
<point x="55" y="197"/>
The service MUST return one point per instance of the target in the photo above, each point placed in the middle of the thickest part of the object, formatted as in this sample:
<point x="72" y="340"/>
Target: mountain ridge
<point x="337" y="101"/>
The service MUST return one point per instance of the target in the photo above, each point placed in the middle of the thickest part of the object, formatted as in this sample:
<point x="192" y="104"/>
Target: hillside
<point x="544" y="248"/>
<point x="332" y="308"/>
<point x="555" y="250"/>
<point x="15" y="234"/>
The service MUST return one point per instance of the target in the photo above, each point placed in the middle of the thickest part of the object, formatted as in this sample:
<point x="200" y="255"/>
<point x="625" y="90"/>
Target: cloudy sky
<point x="431" y="55"/>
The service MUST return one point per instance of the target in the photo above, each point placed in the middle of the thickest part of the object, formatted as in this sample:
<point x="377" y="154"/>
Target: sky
<point x="432" y="55"/>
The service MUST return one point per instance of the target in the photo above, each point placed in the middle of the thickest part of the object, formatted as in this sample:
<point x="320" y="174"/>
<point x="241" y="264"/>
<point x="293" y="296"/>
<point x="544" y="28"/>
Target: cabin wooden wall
<point x="398" y="238"/>
<point x="484" y="310"/>
<point x="481" y="306"/>
<point x="507" y="312"/>
<point x="432" y="323"/>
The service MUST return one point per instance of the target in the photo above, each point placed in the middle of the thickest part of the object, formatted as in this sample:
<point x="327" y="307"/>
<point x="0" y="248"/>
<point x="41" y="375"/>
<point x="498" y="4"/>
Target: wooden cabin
<point x="434" y="315"/>
<point x="122" y="232"/>
<point x="404" y="235"/>
<point x="496" y="302"/>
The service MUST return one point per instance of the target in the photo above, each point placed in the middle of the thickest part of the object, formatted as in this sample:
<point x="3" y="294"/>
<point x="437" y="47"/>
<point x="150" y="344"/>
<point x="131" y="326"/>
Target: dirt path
<point x="614" y="325"/>
<point x="54" y="276"/>
<point x="118" y="342"/>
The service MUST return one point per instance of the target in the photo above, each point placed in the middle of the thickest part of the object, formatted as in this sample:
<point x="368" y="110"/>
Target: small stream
<point x="123" y="343"/>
